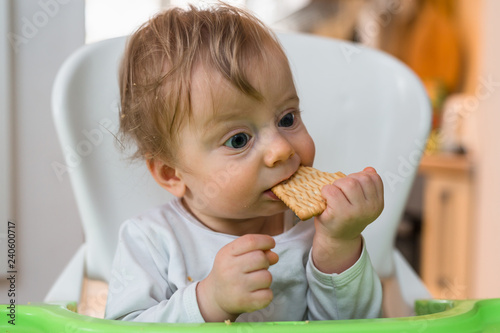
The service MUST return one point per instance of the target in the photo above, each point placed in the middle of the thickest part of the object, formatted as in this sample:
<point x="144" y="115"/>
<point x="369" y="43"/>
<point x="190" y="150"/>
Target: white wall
<point x="5" y="133"/>
<point x="42" y="34"/>
<point x="486" y="271"/>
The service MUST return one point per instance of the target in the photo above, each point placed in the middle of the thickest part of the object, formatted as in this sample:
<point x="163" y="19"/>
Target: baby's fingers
<point x="377" y="181"/>
<point x="271" y="257"/>
<point x="252" y="252"/>
<point x="251" y="242"/>
<point x="370" y="184"/>
<point x="335" y="195"/>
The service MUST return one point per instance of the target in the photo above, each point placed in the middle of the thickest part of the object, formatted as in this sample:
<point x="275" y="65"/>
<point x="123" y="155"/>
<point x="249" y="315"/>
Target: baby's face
<point x="235" y="147"/>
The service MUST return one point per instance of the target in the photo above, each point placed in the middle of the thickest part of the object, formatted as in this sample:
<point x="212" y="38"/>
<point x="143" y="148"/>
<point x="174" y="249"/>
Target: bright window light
<point x="113" y="18"/>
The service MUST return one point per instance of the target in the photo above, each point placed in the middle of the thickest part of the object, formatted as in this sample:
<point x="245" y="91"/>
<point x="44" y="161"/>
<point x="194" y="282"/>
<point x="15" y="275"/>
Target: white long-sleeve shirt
<point x="164" y="253"/>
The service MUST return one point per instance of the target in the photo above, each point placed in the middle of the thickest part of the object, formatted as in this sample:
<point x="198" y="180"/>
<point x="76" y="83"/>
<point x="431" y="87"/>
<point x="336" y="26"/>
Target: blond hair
<point x="156" y="71"/>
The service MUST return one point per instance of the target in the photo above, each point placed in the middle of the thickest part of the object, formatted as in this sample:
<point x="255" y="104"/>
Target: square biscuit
<point x="302" y="192"/>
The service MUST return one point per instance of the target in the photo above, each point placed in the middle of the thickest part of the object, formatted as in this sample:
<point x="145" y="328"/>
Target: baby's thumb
<point x="370" y="169"/>
<point x="272" y="257"/>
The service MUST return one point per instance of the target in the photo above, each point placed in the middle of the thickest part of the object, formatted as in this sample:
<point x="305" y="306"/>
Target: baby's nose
<point x="278" y="149"/>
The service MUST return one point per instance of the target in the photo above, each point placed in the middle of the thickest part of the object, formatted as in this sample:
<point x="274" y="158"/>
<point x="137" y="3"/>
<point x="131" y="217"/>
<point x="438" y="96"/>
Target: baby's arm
<point x="139" y="288"/>
<point x="356" y="293"/>
<point x="239" y="281"/>
<point x="339" y="264"/>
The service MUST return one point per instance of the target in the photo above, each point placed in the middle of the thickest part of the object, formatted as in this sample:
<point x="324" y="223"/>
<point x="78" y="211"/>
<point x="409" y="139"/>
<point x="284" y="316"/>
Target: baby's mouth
<point x="271" y="194"/>
<point x="285" y="179"/>
<point x="282" y="181"/>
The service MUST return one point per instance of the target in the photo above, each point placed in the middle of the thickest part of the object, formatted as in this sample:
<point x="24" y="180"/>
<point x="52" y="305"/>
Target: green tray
<point x="432" y="316"/>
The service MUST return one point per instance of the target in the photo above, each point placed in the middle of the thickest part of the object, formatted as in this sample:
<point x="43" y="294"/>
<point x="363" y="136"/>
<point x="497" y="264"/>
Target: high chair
<point x="362" y="107"/>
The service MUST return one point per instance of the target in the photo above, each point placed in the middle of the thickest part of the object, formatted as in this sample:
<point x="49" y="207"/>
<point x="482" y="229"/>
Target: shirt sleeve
<point x="353" y="294"/>
<point x="139" y="289"/>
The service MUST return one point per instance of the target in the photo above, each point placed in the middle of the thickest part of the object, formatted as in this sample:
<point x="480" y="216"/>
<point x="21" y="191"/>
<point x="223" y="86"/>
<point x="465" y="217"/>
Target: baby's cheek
<point x="238" y="188"/>
<point x="307" y="151"/>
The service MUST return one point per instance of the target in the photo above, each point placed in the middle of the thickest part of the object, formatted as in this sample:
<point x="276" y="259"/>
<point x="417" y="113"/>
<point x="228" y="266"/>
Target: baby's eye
<point x="287" y="120"/>
<point x="237" y="141"/>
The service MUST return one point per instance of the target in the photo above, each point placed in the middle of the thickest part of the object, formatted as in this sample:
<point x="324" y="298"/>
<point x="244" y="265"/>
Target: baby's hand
<point x="353" y="203"/>
<point x="239" y="281"/>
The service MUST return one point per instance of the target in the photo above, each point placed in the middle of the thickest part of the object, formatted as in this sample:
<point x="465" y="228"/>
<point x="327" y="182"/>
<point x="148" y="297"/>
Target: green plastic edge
<point x="433" y="316"/>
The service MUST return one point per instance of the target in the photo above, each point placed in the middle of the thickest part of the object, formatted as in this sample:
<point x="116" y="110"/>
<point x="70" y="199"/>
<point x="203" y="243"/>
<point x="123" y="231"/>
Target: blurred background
<point x="449" y="232"/>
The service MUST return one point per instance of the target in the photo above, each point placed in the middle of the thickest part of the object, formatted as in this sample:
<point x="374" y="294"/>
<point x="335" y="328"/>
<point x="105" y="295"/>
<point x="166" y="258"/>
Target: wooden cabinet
<point x="447" y="225"/>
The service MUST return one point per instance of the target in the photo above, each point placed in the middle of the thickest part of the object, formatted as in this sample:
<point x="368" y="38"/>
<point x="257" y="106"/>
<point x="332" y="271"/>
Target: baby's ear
<point x="166" y="177"/>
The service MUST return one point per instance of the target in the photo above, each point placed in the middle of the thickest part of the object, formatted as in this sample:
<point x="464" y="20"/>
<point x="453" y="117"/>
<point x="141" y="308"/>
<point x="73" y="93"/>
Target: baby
<point x="208" y="97"/>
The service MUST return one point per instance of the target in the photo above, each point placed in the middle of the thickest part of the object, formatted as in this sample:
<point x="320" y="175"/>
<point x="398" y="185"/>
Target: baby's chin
<point x="278" y="207"/>
<point x="270" y="209"/>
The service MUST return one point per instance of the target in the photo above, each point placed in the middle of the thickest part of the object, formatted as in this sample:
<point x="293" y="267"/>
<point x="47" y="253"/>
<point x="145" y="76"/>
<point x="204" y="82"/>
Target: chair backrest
<point x="362" y="108"/>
